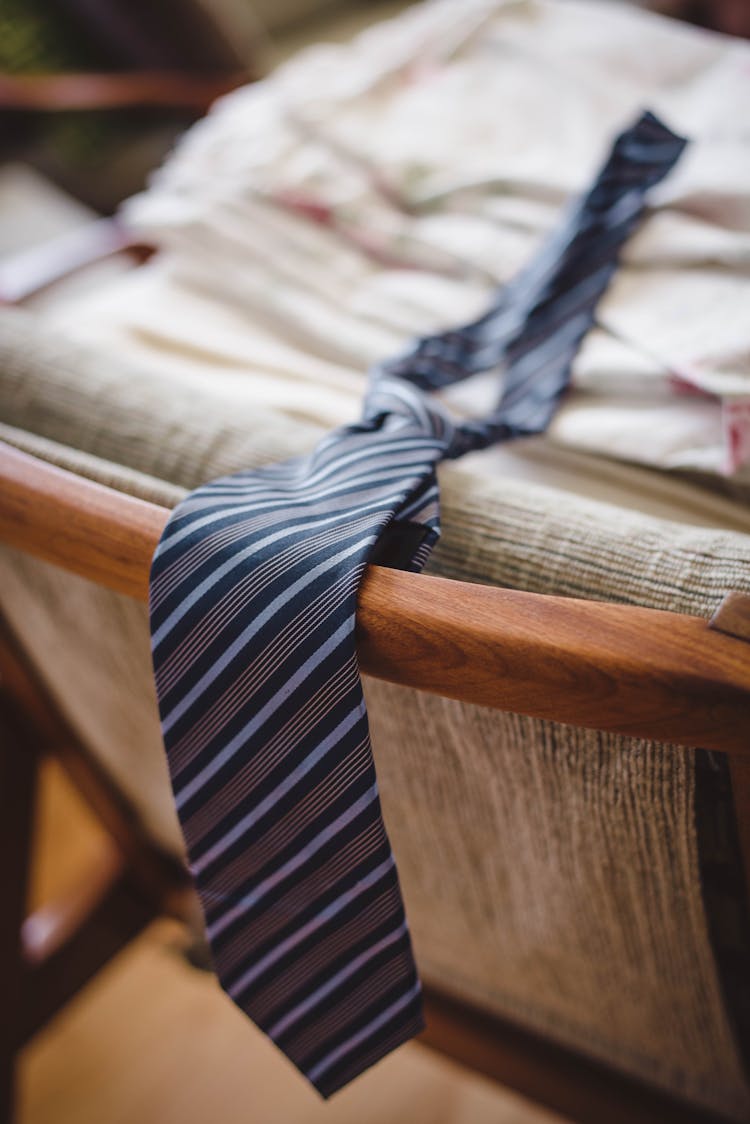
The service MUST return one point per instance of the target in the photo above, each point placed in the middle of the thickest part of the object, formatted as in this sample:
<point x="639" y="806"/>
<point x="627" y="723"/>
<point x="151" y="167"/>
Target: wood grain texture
<point x="83" y="527"/>
<point x="635" y="671"/>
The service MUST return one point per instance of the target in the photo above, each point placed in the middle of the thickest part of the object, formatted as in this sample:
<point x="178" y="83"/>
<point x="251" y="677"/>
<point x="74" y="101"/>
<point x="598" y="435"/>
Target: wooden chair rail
<point x="623" y="668"/>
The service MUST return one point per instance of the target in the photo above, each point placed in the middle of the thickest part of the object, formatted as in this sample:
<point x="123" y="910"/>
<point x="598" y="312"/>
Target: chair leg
<point x="162" y="876"/>
<point x="64" y="944"/>
<point x="18" y="781"/>
<point x="46" y="957"/>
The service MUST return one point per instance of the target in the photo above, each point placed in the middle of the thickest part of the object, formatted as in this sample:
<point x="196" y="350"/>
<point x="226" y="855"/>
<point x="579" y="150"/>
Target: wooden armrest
<point x="636" y="671"/>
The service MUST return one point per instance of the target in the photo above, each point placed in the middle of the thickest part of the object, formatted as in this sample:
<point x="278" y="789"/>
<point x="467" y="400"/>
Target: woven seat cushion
<point x="551" y="874"/>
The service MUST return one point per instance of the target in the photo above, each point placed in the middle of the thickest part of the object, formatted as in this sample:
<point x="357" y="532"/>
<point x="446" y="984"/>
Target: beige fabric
<point x="312" y="223"/>
<point x="550" y="873"/>
<point x="92" y="647"/>
<point x="158" y="422"/>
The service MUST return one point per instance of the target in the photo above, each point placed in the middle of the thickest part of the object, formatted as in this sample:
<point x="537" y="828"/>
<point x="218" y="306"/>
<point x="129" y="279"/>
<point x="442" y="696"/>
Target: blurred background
<point x="94" y="92"/>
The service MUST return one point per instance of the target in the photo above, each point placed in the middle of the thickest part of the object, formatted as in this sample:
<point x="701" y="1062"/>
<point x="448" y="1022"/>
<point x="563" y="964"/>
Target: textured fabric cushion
<point x="496" y="529"/>
<point x="550" y="874"/>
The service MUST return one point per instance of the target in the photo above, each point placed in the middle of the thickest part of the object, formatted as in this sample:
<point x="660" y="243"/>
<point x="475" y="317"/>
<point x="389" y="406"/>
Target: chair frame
<point x="643" y="672"/>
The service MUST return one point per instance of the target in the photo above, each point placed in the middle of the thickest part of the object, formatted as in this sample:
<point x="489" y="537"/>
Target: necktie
<point x="253" y="599"/>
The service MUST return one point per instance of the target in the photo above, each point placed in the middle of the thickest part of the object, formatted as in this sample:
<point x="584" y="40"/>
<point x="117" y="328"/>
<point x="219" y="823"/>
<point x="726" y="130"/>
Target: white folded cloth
<point x="313" y="222"/>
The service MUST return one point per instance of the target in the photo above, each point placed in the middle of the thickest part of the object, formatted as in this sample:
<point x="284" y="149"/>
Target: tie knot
<point x="401" y="406"/>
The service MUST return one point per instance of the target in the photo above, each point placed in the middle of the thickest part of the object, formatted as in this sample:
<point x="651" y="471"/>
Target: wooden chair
<point x="643" y="672"/>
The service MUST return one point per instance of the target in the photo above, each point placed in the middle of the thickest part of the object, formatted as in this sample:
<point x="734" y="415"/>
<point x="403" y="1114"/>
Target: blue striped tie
<point x="253" y="599"/>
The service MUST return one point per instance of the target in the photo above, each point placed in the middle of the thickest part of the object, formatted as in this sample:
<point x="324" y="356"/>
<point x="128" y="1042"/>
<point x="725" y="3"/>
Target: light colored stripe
<point x="256" y="723"/>
<point x="365" y="1033"/>
<point x="391" y="976"/>
<point x="376" y="452"/>
<point x="331" y="515"/>
<point x="256" y="895"/>
<point x="252" y="629"/>
<point x="296" y="976"/>
<point x="192" y="557"/>
<point x="252" y="773"/>
<point x="259" y="671"/>
<point x="279" y="834"/>
<point x="238" y="558"/>
<point x="337" y="1016"/>
<point x="295" y="499"/>
<point x="260" y="810"/>
<point x="330" y="985"/>
<point x="297" y="898"/>
<point x="236" y="598"/>
<point x="534" y="363"/>
<point x="312" y="926"/>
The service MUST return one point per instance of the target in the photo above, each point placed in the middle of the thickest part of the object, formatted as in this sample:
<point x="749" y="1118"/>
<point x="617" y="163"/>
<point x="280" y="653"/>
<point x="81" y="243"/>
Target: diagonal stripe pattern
<point x="253" y="601"/>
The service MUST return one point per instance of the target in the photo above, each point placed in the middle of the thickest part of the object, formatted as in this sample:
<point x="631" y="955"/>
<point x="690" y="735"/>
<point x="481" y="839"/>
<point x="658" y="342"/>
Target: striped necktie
<point x="253" y="598"/>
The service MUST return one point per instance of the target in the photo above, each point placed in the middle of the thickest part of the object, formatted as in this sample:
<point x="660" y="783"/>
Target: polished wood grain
<point x="611" y="667"/>
<point x="91" y="530"/>
<point x="635" y="671"/>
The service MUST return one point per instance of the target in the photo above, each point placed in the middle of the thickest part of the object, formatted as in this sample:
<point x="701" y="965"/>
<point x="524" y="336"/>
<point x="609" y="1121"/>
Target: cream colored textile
<point x="161" y="421"/>
<point x="550" y="873"/>
<point x="313" y="222"/>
